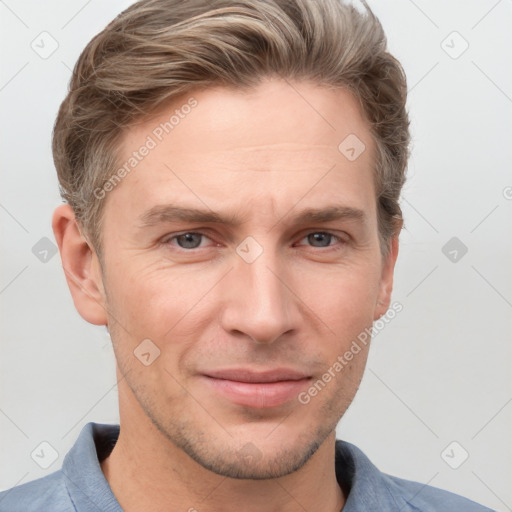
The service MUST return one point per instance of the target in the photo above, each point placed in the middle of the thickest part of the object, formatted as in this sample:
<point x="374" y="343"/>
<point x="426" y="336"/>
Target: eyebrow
<point x="169" y="213"/>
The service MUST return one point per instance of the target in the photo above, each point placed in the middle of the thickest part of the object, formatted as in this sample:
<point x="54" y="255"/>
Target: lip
<point x="266" y="389"/>
<point x="247" y="375"/>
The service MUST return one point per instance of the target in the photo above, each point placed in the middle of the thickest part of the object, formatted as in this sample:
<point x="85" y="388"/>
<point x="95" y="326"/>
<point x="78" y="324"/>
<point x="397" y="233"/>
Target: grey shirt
<point x="79" y="486"/>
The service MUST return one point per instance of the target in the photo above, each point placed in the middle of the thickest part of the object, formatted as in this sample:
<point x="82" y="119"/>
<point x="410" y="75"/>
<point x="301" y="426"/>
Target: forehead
<point x="270" y="146"/>
<point x="276" y="111"/>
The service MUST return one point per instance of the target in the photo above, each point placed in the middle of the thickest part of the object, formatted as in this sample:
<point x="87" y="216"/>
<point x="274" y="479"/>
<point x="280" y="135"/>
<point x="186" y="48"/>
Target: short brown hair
<point x="157" y="50"/>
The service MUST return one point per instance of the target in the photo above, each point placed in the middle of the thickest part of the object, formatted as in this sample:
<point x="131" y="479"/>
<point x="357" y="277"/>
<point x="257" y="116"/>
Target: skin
<point x="264" y="156"/>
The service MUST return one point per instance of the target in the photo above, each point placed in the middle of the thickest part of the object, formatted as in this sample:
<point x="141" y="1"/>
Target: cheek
<point x="344" y="299"/>
<point x="174" y="306"/>
<point x="149" y="301"/>
<point x="157" y="305"/>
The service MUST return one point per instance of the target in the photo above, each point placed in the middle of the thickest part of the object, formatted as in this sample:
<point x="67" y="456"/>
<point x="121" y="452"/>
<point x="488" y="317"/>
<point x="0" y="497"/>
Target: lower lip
<point x="258" y="394"/>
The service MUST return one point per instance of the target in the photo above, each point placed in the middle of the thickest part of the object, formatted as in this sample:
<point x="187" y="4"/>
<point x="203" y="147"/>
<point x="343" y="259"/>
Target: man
<point x="232" y="173"/>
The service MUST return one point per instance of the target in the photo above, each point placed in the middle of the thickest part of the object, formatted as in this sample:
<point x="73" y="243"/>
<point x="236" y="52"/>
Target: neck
<point x="146" y="471"/>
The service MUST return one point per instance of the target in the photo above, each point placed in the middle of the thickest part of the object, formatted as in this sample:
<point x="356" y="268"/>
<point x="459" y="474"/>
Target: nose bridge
<point x="259" y="304"/>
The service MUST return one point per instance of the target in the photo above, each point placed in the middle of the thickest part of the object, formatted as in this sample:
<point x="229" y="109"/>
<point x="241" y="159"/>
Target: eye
<point x="191" y="240"/>
<point x="322" y="239"/>
<point x="188" y="240"/>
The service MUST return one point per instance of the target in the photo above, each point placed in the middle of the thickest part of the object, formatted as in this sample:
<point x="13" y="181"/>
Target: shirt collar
<point x="368" y="488"/>
<point x="85" y="482"/>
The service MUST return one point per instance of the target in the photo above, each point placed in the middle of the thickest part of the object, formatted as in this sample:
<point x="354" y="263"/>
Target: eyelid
<point x="341" y="235"/>
<point x="341" y="239"/>
<point x="172" y="236"/>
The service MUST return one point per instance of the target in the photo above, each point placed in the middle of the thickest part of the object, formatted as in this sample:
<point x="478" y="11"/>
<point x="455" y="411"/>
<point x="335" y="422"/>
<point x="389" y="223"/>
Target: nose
<point x="257" y="302"/>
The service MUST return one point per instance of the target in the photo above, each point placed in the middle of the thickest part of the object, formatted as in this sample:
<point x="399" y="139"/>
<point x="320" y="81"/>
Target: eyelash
<point x="167" y="240"/>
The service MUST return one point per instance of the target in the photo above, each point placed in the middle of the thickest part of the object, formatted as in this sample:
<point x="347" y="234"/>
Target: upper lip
<point x="248" y="375"/>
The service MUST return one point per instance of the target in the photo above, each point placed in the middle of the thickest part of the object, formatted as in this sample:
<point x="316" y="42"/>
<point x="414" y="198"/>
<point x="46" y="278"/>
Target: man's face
<point x="263" y="291"/>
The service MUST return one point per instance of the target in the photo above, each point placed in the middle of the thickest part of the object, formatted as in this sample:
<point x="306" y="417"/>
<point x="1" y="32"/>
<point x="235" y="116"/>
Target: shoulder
<point x="386" y="493"/>
<point x="426" y="498"/>
<point x="41" y="495"/>
<point x="78" y="485"/>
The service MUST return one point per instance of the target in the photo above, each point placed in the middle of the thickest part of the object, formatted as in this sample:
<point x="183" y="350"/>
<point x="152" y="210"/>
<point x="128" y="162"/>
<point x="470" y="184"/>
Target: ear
<point x="386" y="280"/>
<point x="81" y="267"/>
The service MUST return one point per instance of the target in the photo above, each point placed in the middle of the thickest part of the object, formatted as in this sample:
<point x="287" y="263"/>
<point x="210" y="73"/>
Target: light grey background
<point x="438" y="373"/>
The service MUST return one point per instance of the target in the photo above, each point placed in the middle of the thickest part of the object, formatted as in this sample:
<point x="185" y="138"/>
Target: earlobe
<point x="81" y="267"/>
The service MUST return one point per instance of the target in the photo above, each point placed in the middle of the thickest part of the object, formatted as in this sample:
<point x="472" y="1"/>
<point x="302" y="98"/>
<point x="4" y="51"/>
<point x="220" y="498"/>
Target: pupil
<point x="317" y="237"/>
<point x="188" y="239"/>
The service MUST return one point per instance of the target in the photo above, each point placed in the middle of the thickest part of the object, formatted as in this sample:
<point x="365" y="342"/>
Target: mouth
<point x="260" y="390"/>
